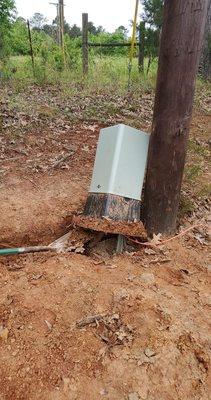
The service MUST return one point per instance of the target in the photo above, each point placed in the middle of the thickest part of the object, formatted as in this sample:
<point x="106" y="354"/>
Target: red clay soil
<point x="158" y="349"/>
<point x="148" y="332"/>
<point x="110" y="226"/>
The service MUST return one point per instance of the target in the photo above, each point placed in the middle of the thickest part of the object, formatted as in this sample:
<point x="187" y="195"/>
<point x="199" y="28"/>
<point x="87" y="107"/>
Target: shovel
<point x="59" y="246"/>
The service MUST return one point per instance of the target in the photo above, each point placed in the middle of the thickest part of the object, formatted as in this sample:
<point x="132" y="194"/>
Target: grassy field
<point x="108" y="72"/>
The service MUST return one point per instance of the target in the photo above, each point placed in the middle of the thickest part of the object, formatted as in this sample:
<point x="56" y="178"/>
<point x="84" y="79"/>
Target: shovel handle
<point x="7" y="252"/>
<point x="21" y="250"/>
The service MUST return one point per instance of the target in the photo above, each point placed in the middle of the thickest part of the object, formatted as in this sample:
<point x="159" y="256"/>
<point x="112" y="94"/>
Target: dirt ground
<point x="91" y="326"/>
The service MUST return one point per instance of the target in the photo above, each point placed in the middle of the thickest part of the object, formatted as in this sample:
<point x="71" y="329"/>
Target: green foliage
<point x="205" y="191"/>
<point x="153" y="13"/>
<point x="40" y="39"/>
<point x="153" y="18"/>
<point x="122" y="30"/>
<point x="151" y="45"/>
<point x="193" y="172"/>
<point x="51" y="30"/>
<point x="117" y="37"/>
<point x="93" y="29"/>
<point x="151" y="42"/>
<point x="108" y="73"/>
<point x="6" y="12"/>
<point x="75" y="31"/>
<point x="37" y="21"/>
<point x="50" y="62"/>
<point x="19" y="37"/>
<point x="73" y="52"/>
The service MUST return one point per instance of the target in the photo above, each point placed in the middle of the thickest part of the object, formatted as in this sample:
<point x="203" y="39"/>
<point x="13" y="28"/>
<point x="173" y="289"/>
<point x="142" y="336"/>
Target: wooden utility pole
<point x="61" y="22"/>
<point x="85" y="50"/>
<point x="61" y="16"/>
<point x="58" y="24"/>
<point x="141" y="46"/>
<point x="31" y="47"/>
<point x="180" y="47"/>
<point x="58" y="21"/>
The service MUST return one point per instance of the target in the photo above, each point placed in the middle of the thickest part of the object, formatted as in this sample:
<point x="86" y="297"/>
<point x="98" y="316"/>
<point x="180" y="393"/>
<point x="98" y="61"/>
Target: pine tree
<point x="153" y="13"/>
<point x="153" y="19"/>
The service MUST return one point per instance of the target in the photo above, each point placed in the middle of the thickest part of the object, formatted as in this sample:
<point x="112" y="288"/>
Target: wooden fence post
<point x="180" y="47"/>
<point x="141" y="46"/>
<point x="31" y="48"/>
<point x="85" y="48"/>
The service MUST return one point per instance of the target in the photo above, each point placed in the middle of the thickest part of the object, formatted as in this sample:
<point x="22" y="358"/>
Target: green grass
<point x="205" y="191"/>
<point x="198" y="149"/>
<point x="192" y="172"/>
<point x="107" y="73"/>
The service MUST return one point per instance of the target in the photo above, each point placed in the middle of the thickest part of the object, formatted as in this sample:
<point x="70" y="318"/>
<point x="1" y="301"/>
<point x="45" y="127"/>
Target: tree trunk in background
<point x="141" y="46"/>
<point x="180" y="50"/>
<point x="205" y="62"/>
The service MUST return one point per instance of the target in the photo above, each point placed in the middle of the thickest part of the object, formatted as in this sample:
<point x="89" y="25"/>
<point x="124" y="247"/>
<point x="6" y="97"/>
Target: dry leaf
<point x="4" y="333"/>
<point x="156" y="239"/>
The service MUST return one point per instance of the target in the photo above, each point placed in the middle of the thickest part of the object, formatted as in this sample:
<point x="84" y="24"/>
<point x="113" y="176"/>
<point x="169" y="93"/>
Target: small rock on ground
<point x="133" y="396"/>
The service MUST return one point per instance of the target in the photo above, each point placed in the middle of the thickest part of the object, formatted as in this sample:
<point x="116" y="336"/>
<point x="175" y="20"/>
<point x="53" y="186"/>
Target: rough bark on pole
<point x="141" y="46"/>
<point x="85" y="49"/>
<point x="61" y="24"/>
<point x="61" y="21"/>
<point x="58" y="23"/>
<point x="180" y="48"/>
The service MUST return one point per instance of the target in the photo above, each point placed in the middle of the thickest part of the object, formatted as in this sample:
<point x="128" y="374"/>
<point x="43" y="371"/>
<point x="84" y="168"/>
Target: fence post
<point x="141" y="46"/>
<point x="85" y="49"/>
<point x="31" y="48"/>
